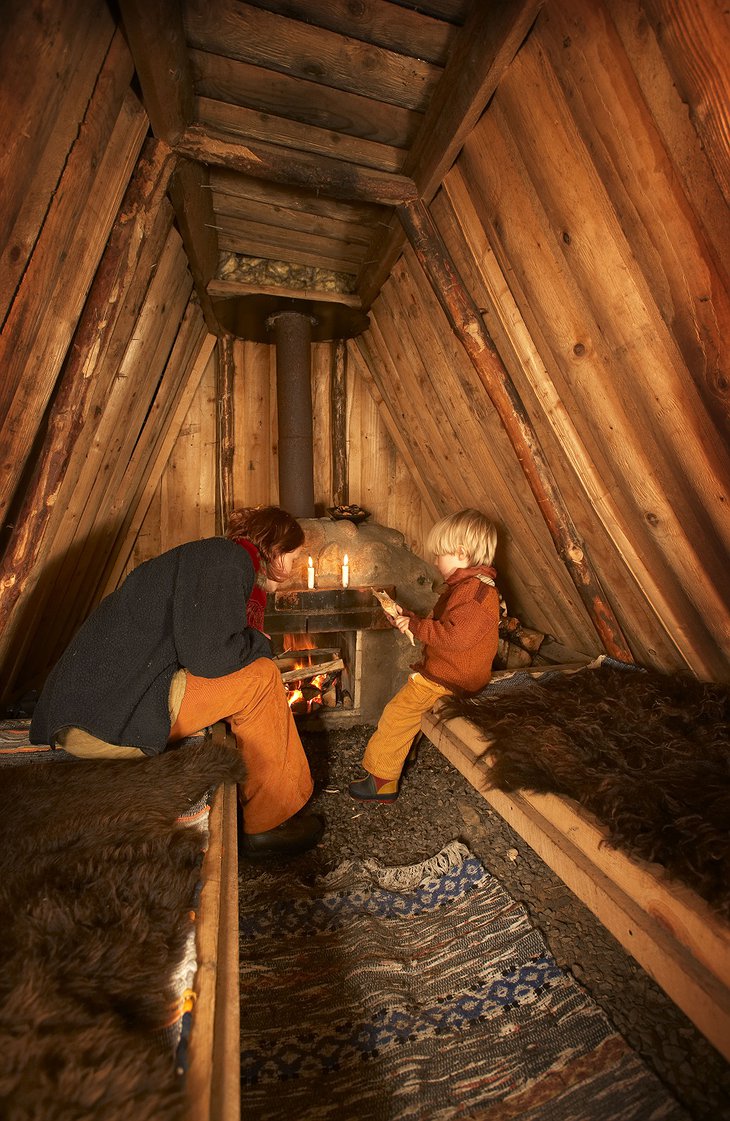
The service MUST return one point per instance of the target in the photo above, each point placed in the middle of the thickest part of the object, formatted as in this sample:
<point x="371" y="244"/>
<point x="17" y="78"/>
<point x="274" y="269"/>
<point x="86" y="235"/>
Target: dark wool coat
<point x="183" y="609"/>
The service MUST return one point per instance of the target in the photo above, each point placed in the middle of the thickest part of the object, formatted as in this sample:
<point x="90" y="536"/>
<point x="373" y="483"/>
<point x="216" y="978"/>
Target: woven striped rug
<point x="421" y="993"/>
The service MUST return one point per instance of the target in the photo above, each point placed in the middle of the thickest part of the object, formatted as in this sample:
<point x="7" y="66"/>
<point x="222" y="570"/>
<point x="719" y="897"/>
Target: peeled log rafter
<point x="467" y="323"/>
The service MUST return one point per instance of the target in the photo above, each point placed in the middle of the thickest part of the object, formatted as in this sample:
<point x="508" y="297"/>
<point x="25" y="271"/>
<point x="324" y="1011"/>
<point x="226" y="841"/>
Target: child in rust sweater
<point x="460" y="642"/>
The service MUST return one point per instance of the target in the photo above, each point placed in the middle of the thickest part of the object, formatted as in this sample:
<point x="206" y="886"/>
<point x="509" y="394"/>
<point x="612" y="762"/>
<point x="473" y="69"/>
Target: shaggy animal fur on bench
<point x="647" y="753"/>
<point x="97" y="879"/>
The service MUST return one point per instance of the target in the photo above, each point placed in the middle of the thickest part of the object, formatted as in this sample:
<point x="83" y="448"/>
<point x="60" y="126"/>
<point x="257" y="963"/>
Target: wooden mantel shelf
<point x="670" y="931"/>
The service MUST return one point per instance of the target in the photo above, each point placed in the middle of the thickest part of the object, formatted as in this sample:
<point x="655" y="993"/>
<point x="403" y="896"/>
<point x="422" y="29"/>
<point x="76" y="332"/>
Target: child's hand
<point x="401" y="622"/>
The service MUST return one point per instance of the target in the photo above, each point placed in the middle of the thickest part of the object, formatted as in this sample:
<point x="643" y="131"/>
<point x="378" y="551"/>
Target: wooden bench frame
<point x="213" y="1083"/>
<point x="669" y="930"/>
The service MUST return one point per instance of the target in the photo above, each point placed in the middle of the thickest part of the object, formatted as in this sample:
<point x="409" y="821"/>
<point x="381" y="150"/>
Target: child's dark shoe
<point x="374" y="789"/>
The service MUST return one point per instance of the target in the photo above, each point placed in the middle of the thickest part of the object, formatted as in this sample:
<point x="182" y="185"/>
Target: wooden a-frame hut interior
<point x="388" y="259"/>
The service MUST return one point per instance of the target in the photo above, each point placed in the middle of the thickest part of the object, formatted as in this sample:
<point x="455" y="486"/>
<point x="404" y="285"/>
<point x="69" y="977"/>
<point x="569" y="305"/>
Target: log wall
<point x="101" y="338"/>
<point x="586" y="217"/>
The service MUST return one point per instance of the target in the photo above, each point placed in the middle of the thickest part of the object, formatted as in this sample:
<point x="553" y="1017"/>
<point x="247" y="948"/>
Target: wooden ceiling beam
<point x="157" y="41"/>
<point x="193" y="205"/>
<point x="317" y="174"/>
<point x="156" y="38"/>
<point x="482" y="51"/>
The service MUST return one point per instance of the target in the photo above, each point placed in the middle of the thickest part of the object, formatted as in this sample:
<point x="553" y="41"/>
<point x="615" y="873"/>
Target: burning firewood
<point x="390" y="607"/>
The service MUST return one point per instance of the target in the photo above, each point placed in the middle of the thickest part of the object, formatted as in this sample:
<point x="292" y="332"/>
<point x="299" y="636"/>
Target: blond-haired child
<point x="460" y="642"/>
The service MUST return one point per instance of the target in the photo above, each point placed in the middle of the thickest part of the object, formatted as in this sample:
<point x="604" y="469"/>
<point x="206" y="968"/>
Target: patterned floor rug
<point x="421" y="993"/>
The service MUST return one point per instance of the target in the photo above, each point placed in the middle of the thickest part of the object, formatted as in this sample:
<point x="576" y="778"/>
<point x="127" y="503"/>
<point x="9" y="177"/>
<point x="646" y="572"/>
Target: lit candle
<point x="345" y="571"/>
<point x="310" y="573"/>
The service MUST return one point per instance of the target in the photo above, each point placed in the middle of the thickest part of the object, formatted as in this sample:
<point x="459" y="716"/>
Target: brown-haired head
<point x="272" y="530"/>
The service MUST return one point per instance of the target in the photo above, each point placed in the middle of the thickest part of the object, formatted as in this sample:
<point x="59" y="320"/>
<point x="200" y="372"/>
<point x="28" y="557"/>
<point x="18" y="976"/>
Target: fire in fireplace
<point x="312" y="675"/>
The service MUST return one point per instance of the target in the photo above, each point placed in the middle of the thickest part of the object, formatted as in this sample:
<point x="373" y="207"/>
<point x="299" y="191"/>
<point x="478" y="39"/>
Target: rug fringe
<point x="353" y="874"/>
<point x="409" y="876"/>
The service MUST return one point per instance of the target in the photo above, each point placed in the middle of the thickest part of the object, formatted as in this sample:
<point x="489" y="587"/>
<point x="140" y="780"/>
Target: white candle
<point x="310" y="573"/>
<point x="345" y="571"/>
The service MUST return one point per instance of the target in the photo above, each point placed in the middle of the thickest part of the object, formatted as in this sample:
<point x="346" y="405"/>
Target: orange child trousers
<point x="389" y="745"/>
<point x="253" y="701"/>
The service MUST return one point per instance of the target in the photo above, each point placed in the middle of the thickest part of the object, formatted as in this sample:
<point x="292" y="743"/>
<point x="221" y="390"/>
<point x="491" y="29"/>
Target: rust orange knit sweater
<point x="461" y="633"/>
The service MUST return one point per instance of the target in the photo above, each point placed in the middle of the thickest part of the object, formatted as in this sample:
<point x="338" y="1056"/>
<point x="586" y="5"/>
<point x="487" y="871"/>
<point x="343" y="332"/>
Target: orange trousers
<point x="253" y="701"/>
<point x="391" y="741"/>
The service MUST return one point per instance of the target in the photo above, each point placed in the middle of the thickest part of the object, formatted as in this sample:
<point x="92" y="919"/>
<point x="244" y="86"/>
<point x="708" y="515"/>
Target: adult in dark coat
<point x="171" y="651"/>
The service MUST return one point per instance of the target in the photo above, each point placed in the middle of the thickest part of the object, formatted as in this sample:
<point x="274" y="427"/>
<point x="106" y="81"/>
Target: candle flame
<point x="345" y="560"/>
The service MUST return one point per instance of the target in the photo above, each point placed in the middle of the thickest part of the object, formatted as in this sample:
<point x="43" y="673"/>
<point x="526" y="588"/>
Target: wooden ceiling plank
<point x="224" y="181"/>
<point x="241" y="83"/>
<point x="245" y="125"/>
<point x="193" y="205"/>
<point x="468" y="82"/>
<point x="317" y="174"/>
<point x="225" y="288"/>
<point x="241" y="31"/>
<point x="156" y="38"/>
<point x="282" y="242"/>
<point x="405" y="30"/>
<point x="251" y="246"/>
<point x="283" y="219"/>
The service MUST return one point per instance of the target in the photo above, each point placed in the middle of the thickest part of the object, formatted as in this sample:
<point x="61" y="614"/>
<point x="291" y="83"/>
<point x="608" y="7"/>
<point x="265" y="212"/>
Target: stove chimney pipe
<point x="293" y="338"/>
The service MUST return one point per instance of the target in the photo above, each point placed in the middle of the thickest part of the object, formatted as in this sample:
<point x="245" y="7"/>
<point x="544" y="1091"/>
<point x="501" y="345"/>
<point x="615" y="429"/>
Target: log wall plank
<point x="93" y="337"/>
<point x="568" y="450"/>
<point x="607" y="346"/>
<point x="144" y="528"/>
<point x="225" y="410"/>
<point x="85" y="535"/>
<point x="695" y="41"/>
<point x="50" y="55"/>
<point x="40" y="324"/>
<point x="254" y="439"/>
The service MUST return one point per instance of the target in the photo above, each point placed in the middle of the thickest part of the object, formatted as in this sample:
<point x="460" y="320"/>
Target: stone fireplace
<point x="347" y="623"/>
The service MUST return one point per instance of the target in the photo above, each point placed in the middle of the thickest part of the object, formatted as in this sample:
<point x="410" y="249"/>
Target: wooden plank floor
<point x="672" y="933"/>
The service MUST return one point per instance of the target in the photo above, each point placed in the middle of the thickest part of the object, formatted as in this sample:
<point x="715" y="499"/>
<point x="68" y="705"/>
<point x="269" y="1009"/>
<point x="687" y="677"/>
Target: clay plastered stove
<point x="348" y="623"/>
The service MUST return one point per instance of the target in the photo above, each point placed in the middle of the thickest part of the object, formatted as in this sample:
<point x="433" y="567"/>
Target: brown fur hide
<point x="96" y="885"/>
<point x="647" y="753"/>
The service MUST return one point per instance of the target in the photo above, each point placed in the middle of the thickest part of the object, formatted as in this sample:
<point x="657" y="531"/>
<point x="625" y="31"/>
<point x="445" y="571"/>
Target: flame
<point x="298" y="642"/>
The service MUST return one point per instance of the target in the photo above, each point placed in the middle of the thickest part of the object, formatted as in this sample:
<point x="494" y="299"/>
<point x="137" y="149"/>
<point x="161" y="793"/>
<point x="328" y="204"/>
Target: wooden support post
<point x="137" y="214"/>
<point x="338" y="401"/>
<point x="226" y="432"/>
<point x="467" y="323"/>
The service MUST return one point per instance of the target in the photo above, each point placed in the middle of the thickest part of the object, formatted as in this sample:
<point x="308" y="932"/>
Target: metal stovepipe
<point x="293" y="339"/>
